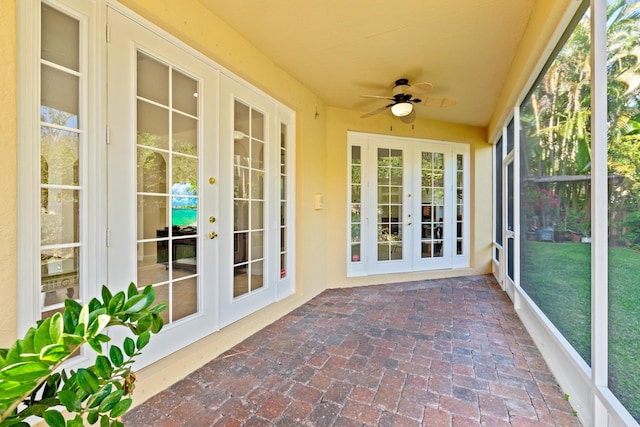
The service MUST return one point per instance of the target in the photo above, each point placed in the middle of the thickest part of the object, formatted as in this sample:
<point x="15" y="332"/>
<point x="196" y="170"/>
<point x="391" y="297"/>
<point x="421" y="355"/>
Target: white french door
<point x="409" y="205"/>
<point x="249" y="270"/>
<point x="163" y="182"/>
<point x="390" y="209"/>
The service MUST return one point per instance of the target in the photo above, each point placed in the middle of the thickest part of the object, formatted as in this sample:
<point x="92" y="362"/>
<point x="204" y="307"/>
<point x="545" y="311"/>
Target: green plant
<point x="31" y="386"/>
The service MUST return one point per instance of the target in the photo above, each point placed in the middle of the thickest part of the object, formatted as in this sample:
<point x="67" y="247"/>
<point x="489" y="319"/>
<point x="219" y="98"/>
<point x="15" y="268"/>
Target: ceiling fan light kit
<point x="401" y="109"/>
<point x="404" y="97"/>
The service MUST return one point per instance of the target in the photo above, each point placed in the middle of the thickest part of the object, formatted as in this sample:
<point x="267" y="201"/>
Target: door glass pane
<point x="249" y="195"/>
<point x="153" y="125"/>
<point x="185" y="134"/>
<point x="61" y="172"/>
<point x="498" y="197"/>
<point x="459" y="203"/>
<point x="59" y="38"/>
<point x="510" y="221"/>
<point x="390" y="198"/>
<point x="432" y="234"/>
<point x="283" y="201"/>
<point x="356" y="203"/>
<point x="167" y="162"/>
<point x="153" y="80"/>
<point x="59" y="97"/>
<point x="184" y="93"/>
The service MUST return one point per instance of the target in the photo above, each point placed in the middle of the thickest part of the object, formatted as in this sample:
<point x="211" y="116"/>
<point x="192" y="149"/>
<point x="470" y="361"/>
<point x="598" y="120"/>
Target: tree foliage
<point x="555" y="119"/>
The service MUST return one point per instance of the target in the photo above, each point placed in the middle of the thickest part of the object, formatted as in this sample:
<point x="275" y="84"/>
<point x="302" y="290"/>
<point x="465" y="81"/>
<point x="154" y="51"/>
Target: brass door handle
<point x="213" y="235"/>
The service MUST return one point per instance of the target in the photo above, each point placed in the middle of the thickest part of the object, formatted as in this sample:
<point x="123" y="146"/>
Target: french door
<point x="408" y="203"/>
<point x="163" y="183"/>
<point x="248" y="272"/>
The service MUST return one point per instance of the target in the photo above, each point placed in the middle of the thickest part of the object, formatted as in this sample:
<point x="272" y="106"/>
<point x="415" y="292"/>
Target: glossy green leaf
<point x="24" y="371"/>
<point x="116" y="303"/>
<point x="98" y="324"/>
<point x="70" y="316"/>
<point x="121" y="407"/>
<point x="158" y="323"/>
<point x="117" y="424"/>
<point x="132" y="290"/>
<point x="70" y="400"/>
<point x="13" y="390"/>
<point x="110" y="401"/>
<point x="83" y="318"/>
<point x="158" y="308"/>
<point x="143" y="340"/>
<point x="97" y="398"/>
<point x="115" y="354"/>
<point x="54" y="352"/>
<point x="129" y="346"/>
<point x="92" y="417"/>
<point x="42" y="337"/>
<point x="56" y="327"/>
<point x="71" y="341"/>
<point x="150" y="290"/>
<point x="77" y="421"/>
<point x="53" y="418"/>
<point x="104" y="421"/>
<point x="137" y="303"/>
<point x="103" y="366"/>
<point x="106" y="295"/>
<point x="95" y="345"/>
<point x="27" y="341"/>
<point x="145" y="323"/>
<point x="87" y="380"/>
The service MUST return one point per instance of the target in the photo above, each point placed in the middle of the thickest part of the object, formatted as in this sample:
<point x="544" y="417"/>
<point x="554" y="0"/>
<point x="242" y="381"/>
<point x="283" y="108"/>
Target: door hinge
<point x="108" y="33"/>
<point x="108" y="237"/>
<point x="107" y="136"/>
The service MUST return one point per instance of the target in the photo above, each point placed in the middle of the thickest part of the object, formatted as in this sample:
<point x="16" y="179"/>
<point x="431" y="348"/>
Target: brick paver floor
<point x="448" y="352"/>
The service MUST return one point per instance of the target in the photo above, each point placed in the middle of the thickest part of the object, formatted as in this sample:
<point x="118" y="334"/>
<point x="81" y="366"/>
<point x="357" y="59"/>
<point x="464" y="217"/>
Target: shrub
<point x="31" y="386"/>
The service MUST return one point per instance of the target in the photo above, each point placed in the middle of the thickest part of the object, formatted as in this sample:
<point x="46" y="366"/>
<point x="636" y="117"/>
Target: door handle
<point x="213" y="235"/>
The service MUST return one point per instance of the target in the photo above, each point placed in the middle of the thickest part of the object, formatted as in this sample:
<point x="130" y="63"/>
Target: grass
<point x="557" y="277"/>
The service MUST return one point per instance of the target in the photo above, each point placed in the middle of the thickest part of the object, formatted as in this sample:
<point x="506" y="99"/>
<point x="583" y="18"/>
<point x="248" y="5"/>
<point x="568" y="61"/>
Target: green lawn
<point x="557" y="276"/>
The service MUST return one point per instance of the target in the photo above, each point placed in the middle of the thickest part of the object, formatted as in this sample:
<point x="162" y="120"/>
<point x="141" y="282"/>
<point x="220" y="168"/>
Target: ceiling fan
<point x="405" y="96"/>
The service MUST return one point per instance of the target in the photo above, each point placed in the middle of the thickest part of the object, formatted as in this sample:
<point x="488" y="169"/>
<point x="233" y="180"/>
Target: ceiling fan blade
<point x="374" y="112"/>
<point x="409" y="118"/>
<point x="437" y="102"/>
<point x="420" y="89"/>
<point x="377" y="97"/>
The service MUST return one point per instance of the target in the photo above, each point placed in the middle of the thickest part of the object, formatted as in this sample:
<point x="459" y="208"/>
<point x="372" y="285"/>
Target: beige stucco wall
<point x="8" y="175"/>
<point x="340" y="121"/>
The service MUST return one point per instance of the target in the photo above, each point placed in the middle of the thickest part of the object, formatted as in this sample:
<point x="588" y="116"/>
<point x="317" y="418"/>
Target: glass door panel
<point x="390" y="204"/>
<point x="248" y="200"/>
<point x="432" y="237"/>
<point x="61" y="175"/>
<point x="167" y="181"/>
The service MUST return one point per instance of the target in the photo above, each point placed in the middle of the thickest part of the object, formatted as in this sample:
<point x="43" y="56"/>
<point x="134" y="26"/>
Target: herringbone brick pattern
<point x="449" y="352"/>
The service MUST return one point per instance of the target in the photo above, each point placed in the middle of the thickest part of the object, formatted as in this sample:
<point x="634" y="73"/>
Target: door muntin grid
<point x="249" y="189"/>
<point x="167" y="147"/>
<point x="390" y="198"/>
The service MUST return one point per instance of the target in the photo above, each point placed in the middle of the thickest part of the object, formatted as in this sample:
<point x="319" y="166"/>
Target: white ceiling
<point x="341" y="49"/>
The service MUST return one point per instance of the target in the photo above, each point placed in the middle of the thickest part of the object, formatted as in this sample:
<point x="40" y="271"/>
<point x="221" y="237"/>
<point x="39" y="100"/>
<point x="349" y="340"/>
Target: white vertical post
<point x="599" y="211"/>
